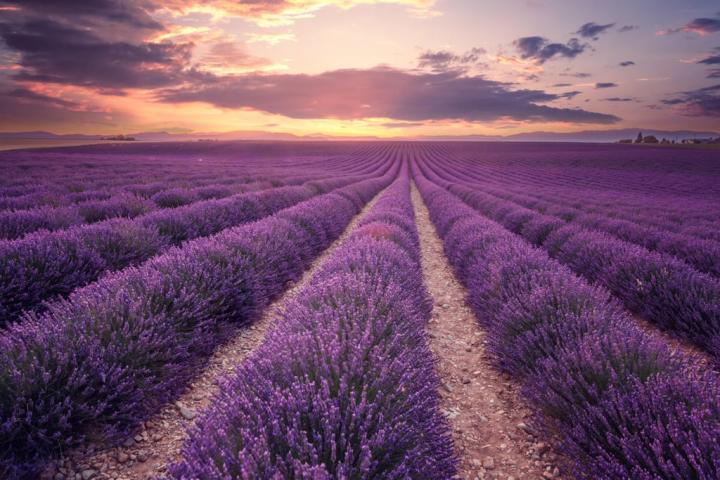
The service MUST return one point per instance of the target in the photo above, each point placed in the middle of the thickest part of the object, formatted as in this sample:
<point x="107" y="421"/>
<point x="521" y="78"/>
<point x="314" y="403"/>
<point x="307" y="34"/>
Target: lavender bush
<point x="116" y="350"/>
<point x="343" y="387"/>
<point x="44" y="265"/>
<point x="663" y="289"/>
<point x="623" y="405"/>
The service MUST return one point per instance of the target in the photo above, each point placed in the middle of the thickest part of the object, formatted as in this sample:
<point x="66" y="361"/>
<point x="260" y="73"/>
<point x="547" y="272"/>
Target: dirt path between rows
<point x="159" y="440"/>
<point x="490" y="424"/>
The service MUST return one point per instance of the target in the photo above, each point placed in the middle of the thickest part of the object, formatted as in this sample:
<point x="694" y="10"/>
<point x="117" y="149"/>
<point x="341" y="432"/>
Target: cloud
<point x="627" y="28"/>
<point x="627" y="63"/>
<point x="713" y="60"/>
<point x="114" y="45"/>
<point x="22" y="108"/>
<point x="570" y="95"/>
<point x="704" y="102"/>
<point x="443" y="60"/>
<point x="601" y="85"/>
<point x="619" y="99"/>
<point x="592" y="30"/>
<point x="271" y="38"/>
<point x="116" y="18"/>
<point x="228" y="57"/>
<point x="286" y="12"/>
<point x="561" y="85"/>
<point x="104" y="44"/>
<point x="402" y="124"/>
<point x="576" y="75"/>
<point x="381" y="92"/>
<point x="24" y="94"/>
<point x="53" y="52"/>
<point x="701" y="26"/>
<point x="541" y="50"/>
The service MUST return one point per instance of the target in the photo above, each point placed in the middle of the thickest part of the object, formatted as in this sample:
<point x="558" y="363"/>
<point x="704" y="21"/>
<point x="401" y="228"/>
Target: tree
<point x="639" y="138"/>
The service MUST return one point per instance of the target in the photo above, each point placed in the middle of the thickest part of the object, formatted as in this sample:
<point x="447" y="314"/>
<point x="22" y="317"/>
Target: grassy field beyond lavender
<point x="269" y="310"/>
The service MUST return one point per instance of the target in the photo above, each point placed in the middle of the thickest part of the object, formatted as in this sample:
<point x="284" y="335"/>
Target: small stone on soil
<point x="88" y="474"/>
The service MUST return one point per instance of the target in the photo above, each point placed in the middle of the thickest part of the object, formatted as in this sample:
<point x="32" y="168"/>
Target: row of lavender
<point x="69" y="195"/>
<point x="167" y="179"/>
<point x="130" y="201"/>
<point x="50" y="264"/>
<point x="627" y="171"/>
<point x="674" y="213"/>
<point x="118" y="349"/>
<point x="659" y="287"/>
<point x="690" y="214"/>
<point x="623" y="405"/>
<point x="343" y="386"/>
<point x="58" y="210"/>
<point x="70" y="175"/>
<point x="698" y="246"/>
<point x="17" y="223"/>
<point x="701" y="249"/>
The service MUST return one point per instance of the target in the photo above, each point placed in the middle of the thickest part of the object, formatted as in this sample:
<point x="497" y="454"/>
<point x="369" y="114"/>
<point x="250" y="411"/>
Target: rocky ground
<point x="490" y="424"/>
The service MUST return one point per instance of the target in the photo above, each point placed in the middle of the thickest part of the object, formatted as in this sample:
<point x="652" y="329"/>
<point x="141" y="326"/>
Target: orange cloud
<point x="270" y="38"/>
<point x="228" y="57"/>
<point x="285" y="12"/>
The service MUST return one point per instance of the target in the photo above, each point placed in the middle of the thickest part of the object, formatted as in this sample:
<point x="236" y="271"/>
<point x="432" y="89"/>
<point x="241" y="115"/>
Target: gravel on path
<point x="490" y="424"/>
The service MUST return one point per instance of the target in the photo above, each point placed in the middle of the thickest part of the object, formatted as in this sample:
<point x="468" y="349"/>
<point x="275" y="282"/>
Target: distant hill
<point x="240" y="135"/>
<point x="608" y="135"/>
<point x="39" y="135"/>
<point x="587" y="136"/>
<point x="599" y="136"/>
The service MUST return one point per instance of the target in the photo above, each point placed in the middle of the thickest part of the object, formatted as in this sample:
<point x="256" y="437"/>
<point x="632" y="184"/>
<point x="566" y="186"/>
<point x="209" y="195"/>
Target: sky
<point x="359" y="67"/>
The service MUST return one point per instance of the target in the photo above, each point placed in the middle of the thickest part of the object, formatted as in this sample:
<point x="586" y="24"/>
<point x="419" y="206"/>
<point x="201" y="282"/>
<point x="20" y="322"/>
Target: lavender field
<point x="360" y="310"/>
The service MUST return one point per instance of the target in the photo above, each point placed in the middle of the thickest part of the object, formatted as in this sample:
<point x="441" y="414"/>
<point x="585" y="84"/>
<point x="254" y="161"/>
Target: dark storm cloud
<point x="382" y="92"/>
<point x="627" y="63"/>
<point x="606" y="85"/>
<point x="102" y="44"/>
<point x="541" y="49"/>
<point x="714" y="73"/>
<point x="443" y="60"/>
<point x="116" y="11"/>
<point x="592" y="30"/>
<point x="704" y="102"/>
<point x="54" y="52"/>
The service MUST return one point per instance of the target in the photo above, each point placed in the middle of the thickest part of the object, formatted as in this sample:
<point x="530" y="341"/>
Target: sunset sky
<point x="359" y="67"/>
